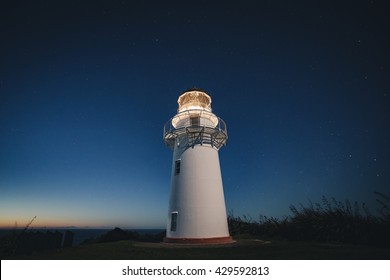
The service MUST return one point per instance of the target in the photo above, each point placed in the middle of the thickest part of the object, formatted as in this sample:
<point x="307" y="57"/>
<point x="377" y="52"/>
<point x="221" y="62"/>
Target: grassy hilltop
<point x="242" y="249"/>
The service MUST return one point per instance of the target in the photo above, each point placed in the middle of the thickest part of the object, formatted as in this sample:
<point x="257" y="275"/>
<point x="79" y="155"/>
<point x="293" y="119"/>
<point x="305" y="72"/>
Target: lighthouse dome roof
<point x="194" y="99"/>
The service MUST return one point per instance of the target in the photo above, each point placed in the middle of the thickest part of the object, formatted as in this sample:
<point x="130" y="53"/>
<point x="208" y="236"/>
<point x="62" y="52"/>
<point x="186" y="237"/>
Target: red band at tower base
<point x="212" y="240"/>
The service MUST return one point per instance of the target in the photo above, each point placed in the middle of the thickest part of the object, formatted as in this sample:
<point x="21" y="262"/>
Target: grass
<point x="242" y="249"/>
<point x="329" y="221"/>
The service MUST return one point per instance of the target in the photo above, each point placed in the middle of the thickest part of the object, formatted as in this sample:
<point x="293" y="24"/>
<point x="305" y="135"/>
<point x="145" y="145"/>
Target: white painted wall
<point x="197" y="194"/>
<point x="184" y="119"/>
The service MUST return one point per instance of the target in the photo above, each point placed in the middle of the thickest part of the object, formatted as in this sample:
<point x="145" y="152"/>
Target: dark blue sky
<point x="85" y="90"/>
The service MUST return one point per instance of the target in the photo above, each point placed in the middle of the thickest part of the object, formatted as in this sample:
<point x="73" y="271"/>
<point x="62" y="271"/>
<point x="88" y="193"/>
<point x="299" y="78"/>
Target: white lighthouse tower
<point x="197" y="212"/>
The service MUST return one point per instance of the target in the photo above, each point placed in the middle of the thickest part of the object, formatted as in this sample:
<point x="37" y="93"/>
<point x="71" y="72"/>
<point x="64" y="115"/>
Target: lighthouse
<point x="197" y="212"/>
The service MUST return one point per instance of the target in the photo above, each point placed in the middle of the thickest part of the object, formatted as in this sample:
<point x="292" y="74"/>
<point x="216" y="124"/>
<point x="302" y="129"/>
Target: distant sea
<point x="82" y="234"/>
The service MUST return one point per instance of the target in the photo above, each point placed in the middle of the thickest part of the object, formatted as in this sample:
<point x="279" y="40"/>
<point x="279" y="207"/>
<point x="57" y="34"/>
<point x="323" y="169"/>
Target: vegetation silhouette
<point x="118" y="234"/>
<point x="328" y="221"/>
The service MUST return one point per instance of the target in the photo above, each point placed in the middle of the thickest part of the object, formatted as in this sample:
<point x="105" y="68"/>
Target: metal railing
<point x="203" y="133"/>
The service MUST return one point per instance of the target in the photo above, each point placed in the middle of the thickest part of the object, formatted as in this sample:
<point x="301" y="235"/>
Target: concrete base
<point x="213" y="240"/>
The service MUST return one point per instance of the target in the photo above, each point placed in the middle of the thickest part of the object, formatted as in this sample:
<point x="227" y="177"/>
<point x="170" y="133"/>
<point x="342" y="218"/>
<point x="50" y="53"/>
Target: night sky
<point x="85" y="90"/>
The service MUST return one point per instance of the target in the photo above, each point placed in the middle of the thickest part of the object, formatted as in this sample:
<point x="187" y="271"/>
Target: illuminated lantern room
<point x="194" y="110"/>
<point x="194" y="100"/>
